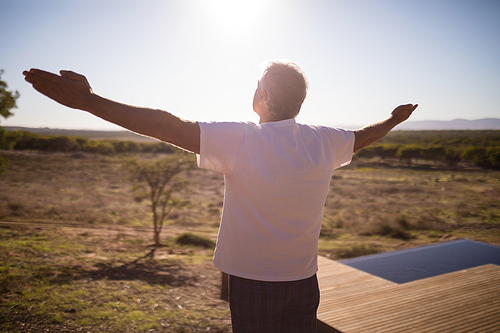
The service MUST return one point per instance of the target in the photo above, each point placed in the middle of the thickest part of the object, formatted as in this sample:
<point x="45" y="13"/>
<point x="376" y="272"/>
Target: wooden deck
<point x="353" y="301"/>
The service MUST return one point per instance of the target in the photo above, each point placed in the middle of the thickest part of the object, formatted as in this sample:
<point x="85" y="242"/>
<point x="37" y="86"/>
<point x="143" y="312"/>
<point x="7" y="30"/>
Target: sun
<point x="236" y="16"/>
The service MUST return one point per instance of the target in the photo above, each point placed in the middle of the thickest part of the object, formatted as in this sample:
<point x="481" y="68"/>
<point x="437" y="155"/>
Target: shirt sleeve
<point x="220" y="144"/>
<point x="342" y="142"/>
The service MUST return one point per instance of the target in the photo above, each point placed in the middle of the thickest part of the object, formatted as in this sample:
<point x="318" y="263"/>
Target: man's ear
<point x="263" y="96"/>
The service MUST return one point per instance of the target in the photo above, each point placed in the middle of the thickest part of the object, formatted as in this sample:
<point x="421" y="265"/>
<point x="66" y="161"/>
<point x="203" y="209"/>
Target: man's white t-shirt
<point x="277" y="177"/>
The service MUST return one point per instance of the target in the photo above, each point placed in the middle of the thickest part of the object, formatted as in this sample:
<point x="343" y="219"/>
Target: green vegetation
<point x="7" y="98"/>
<point x="28" y="141"/>
<point x="7" y="102"/>
<point x="476" y="148"/>
<point x="456" y="139"/>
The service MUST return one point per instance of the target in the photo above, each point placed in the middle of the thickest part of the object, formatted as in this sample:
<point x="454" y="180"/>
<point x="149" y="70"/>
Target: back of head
<point x="286" y="87"/>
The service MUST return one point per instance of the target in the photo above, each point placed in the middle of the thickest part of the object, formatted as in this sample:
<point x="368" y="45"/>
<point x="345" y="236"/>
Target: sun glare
<point x="236" y="17"/>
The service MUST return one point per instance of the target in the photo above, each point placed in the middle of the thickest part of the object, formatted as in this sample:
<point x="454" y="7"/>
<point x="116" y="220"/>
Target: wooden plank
<point x="412" y="312"/>
<point x="491" y="327"/>
<point x="395" y="292"/>
<point x="380" y="316"/>
<point x="469" y="321"/>
<point x="426" y="302"/>
<point x="406" y="324"/>
<point x="456" y="318"/>
<point x="355" y="301"/>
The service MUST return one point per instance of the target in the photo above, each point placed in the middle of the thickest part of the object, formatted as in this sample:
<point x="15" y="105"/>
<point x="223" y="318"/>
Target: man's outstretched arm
<point x="74" y="91"/>
<point x="372" y="133"/>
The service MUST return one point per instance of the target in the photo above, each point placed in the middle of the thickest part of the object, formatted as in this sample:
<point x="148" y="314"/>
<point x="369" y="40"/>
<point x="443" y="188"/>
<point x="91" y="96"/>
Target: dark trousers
<point x="261" y="306"/>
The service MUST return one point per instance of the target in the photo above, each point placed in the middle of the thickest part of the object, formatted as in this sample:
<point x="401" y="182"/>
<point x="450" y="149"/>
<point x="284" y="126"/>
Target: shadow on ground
<point x="148" y="271"/>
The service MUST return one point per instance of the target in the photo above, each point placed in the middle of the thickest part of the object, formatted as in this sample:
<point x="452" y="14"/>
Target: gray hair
<point x="286" y="87"/>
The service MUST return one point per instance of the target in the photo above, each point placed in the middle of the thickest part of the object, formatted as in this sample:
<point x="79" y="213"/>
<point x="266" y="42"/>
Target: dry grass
<point x="71" y="234"/>
<point x="387" y="203"/>
<point x="68" y="279"/>
<point x="402" y="207"/>
<point x="90" y="190"/>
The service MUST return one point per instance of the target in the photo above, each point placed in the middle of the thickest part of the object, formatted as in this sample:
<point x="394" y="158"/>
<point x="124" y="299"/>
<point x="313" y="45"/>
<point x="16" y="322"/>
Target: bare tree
<point x="159" y="180"/>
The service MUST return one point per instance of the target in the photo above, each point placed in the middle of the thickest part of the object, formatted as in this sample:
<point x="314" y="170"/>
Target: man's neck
<point x="267" y="117"/>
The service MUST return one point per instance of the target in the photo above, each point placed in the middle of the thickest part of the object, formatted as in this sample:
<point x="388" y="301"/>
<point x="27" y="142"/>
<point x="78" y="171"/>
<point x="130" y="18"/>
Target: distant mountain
<point x="457" y="124"/>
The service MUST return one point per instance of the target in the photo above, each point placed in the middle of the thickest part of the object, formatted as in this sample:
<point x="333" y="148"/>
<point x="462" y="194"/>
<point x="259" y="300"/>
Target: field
<point x="73" y="239"/>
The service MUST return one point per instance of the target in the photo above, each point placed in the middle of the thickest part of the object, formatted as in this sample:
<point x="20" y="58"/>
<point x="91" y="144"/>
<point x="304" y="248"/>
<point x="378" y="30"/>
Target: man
<point x="277" y="175"/>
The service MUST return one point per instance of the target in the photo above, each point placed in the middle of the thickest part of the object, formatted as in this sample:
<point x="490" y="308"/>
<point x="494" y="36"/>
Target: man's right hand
<point x="69" y="88"/>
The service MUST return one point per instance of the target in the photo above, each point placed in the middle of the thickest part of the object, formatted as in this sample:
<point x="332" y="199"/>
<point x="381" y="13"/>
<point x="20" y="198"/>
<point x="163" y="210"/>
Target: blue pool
<point x="427" y="261"/>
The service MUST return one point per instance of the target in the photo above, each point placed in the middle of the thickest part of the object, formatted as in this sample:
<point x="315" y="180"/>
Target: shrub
<point x="409" y="153"/>
<point x="132" y="147"/>
<point x="157" y="147"/>
<point x="195" y="240"/>
<point x="403" y="223"/>
<point x="452" y="156"/>
<point x="8" y="139"/>
<point x="475" y="155"/>
<point x="383" y="151"/>
<point x="82" y="143"/>
<point x="401" y="234"/>
<point x="60" y="143"/>
<point x="328" y="231"/>
<point x="147" y="148"/>
<point x="494" y="157"/>
<point x="433" y="153"/>
<point x="26" y="141"/>
<point x="101" y="147"/>
<point x="357" y="251"/>
<point x="427" y="221"/>
<point x="393" y="231"/>
<point x="4" y="163"/>
<point x="118" y="146"/>
<point x="367" y="152"/>
<point x="387" y="151"/>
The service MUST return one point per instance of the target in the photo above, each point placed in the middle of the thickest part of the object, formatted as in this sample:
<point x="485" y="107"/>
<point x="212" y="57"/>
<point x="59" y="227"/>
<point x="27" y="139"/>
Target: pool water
<point x="426" y="261"/>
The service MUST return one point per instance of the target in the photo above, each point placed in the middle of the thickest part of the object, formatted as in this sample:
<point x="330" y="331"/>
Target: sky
<point x="201" y="59"/>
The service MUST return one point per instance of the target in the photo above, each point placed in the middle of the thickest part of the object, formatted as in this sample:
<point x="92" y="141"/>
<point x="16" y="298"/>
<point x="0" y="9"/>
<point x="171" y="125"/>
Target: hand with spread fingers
<point x="374" y="132"/>
<point x="403" y="112"/>
<point x="69" y="88"/>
